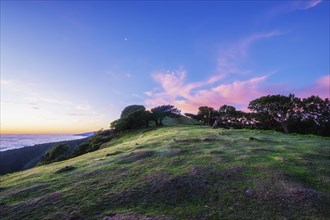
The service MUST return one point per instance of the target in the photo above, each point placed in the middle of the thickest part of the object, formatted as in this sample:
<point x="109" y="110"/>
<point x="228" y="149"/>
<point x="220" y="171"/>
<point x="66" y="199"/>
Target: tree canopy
<point x="136" y="116"/>
<point x="160" y="112"/>
<point x="272" y="112"/>
<point x="279" y="107"/>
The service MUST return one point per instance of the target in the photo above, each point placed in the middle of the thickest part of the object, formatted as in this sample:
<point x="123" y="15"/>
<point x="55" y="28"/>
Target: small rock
<point x="282" y="158"/>
<point x="247" y="191"/>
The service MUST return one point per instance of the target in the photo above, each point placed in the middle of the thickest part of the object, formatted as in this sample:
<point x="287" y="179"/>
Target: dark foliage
<point x="57" y="153"/>
<point x="291" y="114"/>
<point x="279" y="108"/>
<point x="288" y="114"/>
<point x="94" y="143"/>
<point x="136" y="116"/>
<point x="132" y="117"/>
<point x="160" y="112"/>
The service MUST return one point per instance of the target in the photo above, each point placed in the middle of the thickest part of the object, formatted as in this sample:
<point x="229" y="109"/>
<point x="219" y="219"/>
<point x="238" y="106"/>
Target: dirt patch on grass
<point x="261" y="150"/>
<point x="66" y="169"/>
<point x="175" y="152"/>
<point x="132" y="216"/>
<point x="216" y="152"/>
<point x="30" y="190"/>
<point x="2" y="189"/>
<point x="176" y="162"/>
<point x="162" y="188"/>
<point x="195" y="140"/>
<point x="113" y="154"/>
<point x="221" y="159"/>
<point x="135" y="156"/>
<point x="31" y="207"/>
<point x="289" y="198"/>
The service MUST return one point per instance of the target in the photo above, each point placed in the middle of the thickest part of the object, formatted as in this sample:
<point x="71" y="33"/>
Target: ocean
<point x="13" y="141"/>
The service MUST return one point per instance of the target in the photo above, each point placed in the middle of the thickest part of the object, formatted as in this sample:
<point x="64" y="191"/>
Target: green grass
<point x="180" y="172"/>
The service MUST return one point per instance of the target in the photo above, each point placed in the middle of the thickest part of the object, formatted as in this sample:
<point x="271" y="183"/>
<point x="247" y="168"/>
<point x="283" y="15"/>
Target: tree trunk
<point x="285" y="128"/>
<point x="215" y="124"/>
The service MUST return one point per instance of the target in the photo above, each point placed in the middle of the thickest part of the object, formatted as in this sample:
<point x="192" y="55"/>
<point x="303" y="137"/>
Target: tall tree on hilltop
<point x="160" y="112"/>
<point x="280" y="108"/>
<point x="132" y="117"/>
<point x="131" y="109"/>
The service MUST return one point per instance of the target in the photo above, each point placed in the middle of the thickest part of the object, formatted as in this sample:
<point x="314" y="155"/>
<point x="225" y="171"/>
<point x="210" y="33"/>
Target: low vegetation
<point x="94" y="143"/>
<point x="179" y="172"/>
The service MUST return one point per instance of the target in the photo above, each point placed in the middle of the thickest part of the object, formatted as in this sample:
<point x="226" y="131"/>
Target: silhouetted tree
<point x="278" y="107"/>
<point x="160" y="112"/>
<point x="131" y="109"/>
<point x="206" y="115"/>
<point x="132" y="117"/>
<point x="315" y="115"/>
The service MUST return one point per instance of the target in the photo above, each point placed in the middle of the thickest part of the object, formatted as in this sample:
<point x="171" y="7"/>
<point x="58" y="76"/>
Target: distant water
<point x="13" y="141"/>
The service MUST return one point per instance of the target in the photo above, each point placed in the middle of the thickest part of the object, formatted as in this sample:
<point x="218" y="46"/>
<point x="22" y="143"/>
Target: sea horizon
<point x="16" y="141"/>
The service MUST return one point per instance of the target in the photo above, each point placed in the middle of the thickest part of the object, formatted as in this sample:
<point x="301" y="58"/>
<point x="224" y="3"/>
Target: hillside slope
<point x="181" y="172"/>
<point x="28" y="157"/>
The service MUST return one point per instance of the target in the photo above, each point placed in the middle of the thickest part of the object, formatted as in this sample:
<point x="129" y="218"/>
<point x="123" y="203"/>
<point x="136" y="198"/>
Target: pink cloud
<point x="173" y="83"/>
<point x="189" y="96"/>
<point x="237" y="93"/>
<point x="320" y="87"/>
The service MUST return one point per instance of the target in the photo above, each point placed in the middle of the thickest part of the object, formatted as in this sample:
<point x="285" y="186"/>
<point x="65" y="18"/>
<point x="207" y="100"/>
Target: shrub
<point x="57" y="153"/>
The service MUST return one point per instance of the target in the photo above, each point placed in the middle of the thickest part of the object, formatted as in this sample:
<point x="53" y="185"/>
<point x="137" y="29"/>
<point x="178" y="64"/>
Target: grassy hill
<point x="179" y="172"/>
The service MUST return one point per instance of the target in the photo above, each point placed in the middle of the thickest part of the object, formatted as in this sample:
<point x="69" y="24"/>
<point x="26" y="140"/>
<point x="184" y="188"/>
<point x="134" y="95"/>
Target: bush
<point x="57" y="153"/>
<point x="95" y="142"/>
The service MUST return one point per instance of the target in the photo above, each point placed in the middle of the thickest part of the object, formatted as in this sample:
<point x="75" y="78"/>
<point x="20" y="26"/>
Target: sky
<point x="73" y="66"/>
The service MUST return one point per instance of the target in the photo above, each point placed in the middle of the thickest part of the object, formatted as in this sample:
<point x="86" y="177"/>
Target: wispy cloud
<point x="304" y="5"/>
<point x="291" y="6"/>
<point x="231" y="59"/>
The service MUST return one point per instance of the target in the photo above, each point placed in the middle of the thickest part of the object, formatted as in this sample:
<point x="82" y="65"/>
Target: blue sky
<point x="73" y="66"/>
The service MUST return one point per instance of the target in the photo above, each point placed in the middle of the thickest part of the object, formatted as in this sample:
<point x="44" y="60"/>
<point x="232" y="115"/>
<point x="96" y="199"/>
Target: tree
<point x="315" y="115"/>
<point x="131" y="109"/>
<point x="132" y="117"/>
<point x="206" y="115"/>
<point x="227" y="109"/>
<point x="160" y="112"/>
<point x="278" y="107"/>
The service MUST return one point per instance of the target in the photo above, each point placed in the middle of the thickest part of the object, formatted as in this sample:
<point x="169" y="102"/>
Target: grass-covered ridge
<point x="181" y="172"/>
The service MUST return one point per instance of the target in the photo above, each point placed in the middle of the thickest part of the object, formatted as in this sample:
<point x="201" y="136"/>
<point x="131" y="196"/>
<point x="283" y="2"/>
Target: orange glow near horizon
<point x="22" y="119"/>
<point x="41" y="130"/>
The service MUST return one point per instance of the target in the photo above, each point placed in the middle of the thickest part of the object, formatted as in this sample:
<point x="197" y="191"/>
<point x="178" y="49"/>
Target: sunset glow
<point x="71" y="67"/>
